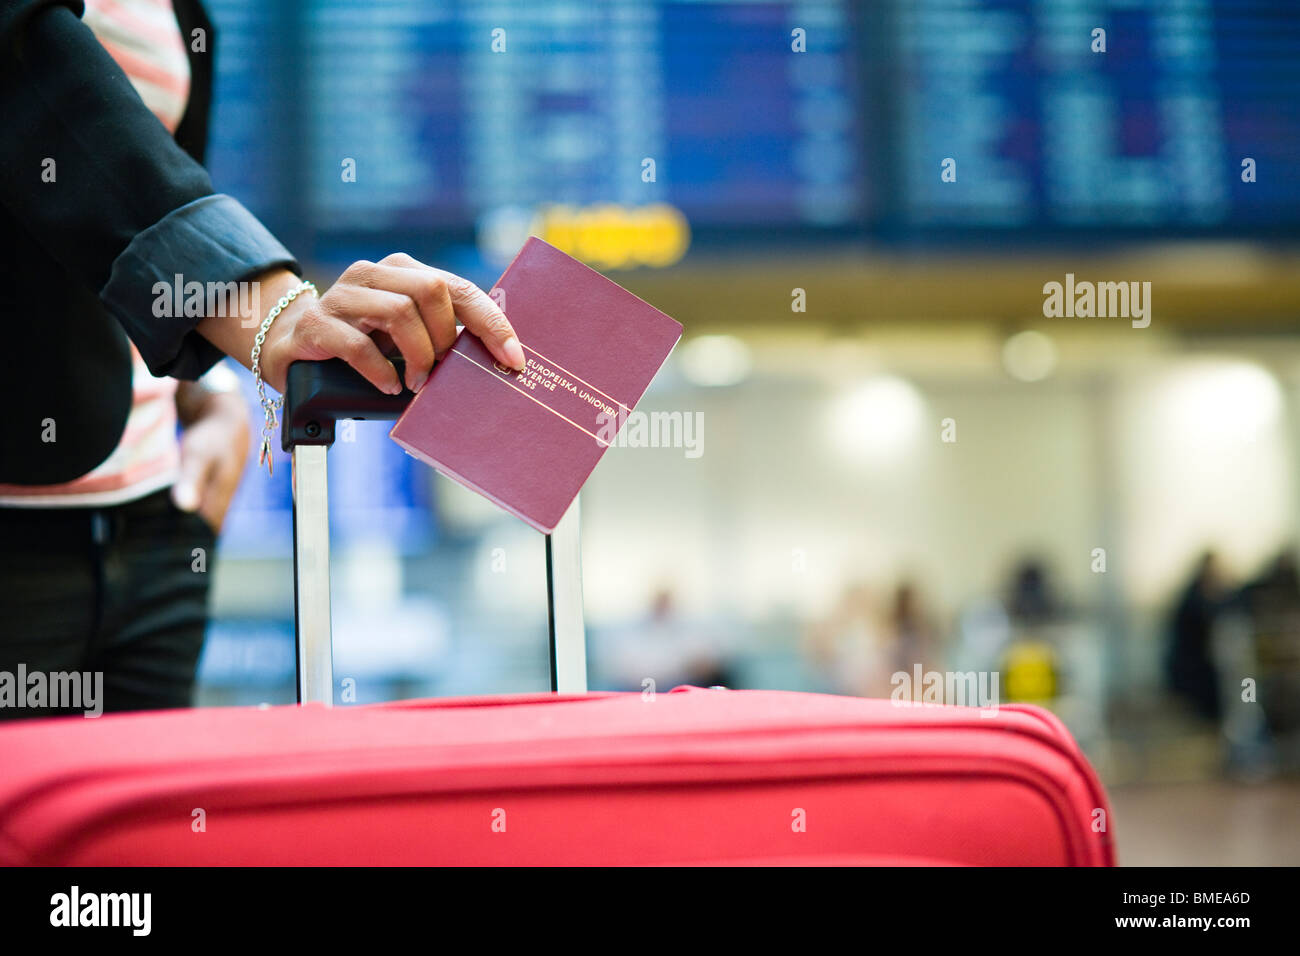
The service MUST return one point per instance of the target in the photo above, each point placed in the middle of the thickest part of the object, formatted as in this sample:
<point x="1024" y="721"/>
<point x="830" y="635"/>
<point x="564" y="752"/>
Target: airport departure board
<point x="455" y="109"/>
<point x="1116" y="114"/>
<point x="1183" y="117"/>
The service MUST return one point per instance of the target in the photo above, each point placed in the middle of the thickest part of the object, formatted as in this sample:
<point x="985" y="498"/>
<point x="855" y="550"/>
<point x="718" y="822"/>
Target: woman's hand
<point x="214" y="446"/>
<point x="398" y="301"/>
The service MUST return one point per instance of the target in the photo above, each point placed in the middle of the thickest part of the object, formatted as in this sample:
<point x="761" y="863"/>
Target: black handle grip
<point x="317" y="394"/>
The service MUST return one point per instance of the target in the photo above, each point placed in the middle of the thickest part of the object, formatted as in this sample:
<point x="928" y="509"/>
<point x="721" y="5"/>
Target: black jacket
<point x="128" y="206"/>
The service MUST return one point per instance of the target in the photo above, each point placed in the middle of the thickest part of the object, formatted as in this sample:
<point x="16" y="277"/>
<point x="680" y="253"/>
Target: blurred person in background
<point x="1190" y="670"/>
<point x="1275" y="592"/>
<point x="666" y="648"/>
<point x="1024" y="614"/>
<point x="861" y="648"/>
<point x="855" y="645"/>
<point x="1017" y="634"/>
<point x="1032" y="601"/>
<point x="103" y="197"/>
<point x="912" y="631"/>
<point x="1271" y="603"/>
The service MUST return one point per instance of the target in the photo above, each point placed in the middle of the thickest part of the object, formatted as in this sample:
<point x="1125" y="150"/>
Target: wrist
<point x="195" y="402"/>
<point x="227" y="407"/>
<point x="234" y="334"/>
<point x="275" y="356"/>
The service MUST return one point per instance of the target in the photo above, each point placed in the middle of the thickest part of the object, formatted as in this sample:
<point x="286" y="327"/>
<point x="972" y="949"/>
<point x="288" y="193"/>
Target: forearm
<point x="234" y="333"/>
<point x="100" y="185"/>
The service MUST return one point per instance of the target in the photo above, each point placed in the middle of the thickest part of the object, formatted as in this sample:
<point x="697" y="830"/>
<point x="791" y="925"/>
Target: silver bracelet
<point x="269" y="406"/>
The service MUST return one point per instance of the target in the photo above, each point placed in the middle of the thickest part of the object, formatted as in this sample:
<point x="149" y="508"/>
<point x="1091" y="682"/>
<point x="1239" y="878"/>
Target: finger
<point x="394" y="313"/>
<point x="476" y="311"/>
<point x="187" y="492"/>
<point x="329" y="336"/>
<point x="428" y="290"/>
<point x="214" y="514"/>
<point x="484" y="318"/>
<point x="216" y="497"/>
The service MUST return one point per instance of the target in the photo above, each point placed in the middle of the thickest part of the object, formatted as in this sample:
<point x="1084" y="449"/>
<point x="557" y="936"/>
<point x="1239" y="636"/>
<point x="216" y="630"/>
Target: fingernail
<point x="515" y="353"/>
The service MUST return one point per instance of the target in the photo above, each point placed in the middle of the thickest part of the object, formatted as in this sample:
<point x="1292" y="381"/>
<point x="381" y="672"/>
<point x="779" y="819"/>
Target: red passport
<point x="528" y="440"/>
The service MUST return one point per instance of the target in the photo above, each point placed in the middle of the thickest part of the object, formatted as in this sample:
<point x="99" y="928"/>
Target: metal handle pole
<point x="564" y="596"/>
<point x="311" y="569"/>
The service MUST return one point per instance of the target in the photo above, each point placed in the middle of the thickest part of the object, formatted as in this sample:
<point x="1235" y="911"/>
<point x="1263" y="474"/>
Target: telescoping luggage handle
<point x="316" y="396"/>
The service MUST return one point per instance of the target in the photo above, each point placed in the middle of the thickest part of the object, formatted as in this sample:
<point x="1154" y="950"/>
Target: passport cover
<point x="529" y="440"/>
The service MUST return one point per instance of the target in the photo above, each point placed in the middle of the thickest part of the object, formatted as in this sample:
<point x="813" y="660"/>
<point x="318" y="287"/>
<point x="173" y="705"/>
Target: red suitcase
<point x="689" y="777"/>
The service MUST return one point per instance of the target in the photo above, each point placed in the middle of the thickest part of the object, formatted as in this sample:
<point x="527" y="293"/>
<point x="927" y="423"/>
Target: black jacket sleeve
<point x="105" y="190"/>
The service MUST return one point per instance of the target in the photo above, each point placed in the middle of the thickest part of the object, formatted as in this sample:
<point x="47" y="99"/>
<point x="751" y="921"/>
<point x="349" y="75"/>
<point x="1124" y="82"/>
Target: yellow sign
<point x="1030" y="668"/>
<point x="609" y="236"/>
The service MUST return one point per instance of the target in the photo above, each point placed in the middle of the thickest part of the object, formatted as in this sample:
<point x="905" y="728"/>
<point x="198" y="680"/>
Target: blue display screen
<point x="762" y="118"/>
<point x="1099" y="115"/>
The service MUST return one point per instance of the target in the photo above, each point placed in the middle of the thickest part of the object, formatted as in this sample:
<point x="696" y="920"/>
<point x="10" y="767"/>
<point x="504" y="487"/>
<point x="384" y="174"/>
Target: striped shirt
<point x="145" y="40"/>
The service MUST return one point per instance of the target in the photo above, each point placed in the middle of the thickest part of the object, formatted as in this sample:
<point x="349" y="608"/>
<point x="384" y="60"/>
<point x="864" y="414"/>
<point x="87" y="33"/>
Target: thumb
<point x="187" y="491"/>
